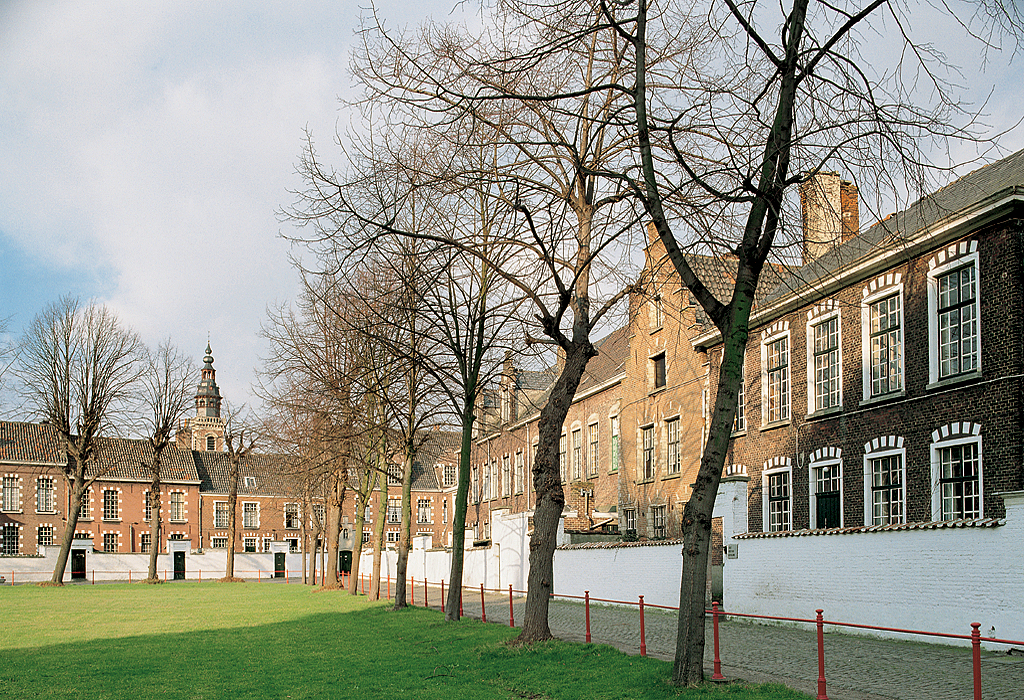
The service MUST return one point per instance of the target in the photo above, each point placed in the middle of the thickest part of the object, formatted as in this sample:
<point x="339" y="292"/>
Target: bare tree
<point x="166" y="395"/>
<point x="239" y="441"/>
<point x="77" y="370"/>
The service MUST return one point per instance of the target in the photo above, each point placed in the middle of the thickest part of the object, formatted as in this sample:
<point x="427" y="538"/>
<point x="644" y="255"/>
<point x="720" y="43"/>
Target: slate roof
<point x="894" y="233"/>
<point x="269" y="471"/>
<point x="436" y="446"/>
<point x="129" y="460"/>
<point x="31" y="442"/>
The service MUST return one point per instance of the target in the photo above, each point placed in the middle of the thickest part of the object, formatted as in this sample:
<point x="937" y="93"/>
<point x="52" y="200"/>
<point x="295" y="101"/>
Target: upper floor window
<point x="577" y="453"/>
<point x="506" y="476"/>
<point x="423" y="510"/>
<point x="672" y="462"/>
<point x="775" y="383"/>
<point x="657" y="312"/>
<point x="592" y="455"/>
<point x="615" y="443"/>
<point x="250" y="515"/>
<point x="220" y="514"/>
<point x="211" y="443"/>
<point x="739" y="423"/>
<point x="885" y="345"/>
<point x="394" y="511"/>
<point x="647" y="435"/>
<point x="110" y="509"/>
<point x="824" y="343"/>
<point x="319" y="515"/>
<point x="954" y="312"/>
<point x="85" y="512"/>
<point x="291" y="516"/>
<point x="44" y="494"/>
<point x="519" y="472"/>
<point x="177" y="505"/>
<point x="12" y="493"/>
<point x="449" y="473"/>
<point x="561" y="456"/>
<point x="659" y="371"/>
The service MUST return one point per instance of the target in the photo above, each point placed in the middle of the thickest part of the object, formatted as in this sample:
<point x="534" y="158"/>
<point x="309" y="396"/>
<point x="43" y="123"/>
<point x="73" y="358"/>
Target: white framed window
<point x="11" y="493"/>
<point x="177" y="506"/>
<point x="577" y="454"/>
<point x="882" y="336"/>
<point x="85" y="512"/>
<point x="145" y="542"/>
<point x="220" y="514"/>
<point x="10" y="539"/>
<point x="739" y="423"/>
<point x="647" y="454"/>
<point x="250" y="514"/>
<point x="629" y="519"/>
<point x="593" y="452"/>
<point x="474" y="485"/>
<point x="956" y="460"/>
<point x="249" y="544"/>
<point x="291" y="516"/>
<point x="110" y="505"/>
<point x="423" y="510"/>
<point x="249" y="482"/>
<point x="147" y="506"/>
<point x="775" y="380"/>
<point x="444" y="512"/>
<point x="394" y="511"/>
<point x="449" y="474"/>
<point x="562" y="456"/>
<point x="109" y="541"/>
<point x="520" y="475"/>
<point x="44" y="535"/>
<point x="218" y="542"/>
<point x="777" y="495"/>
<point x="885" y="478"/>
<point x="825" y="475"/>
<point x="672" y="456"/>
<point x="266" y="543"/>
<point x="506" y="476"/>
<point x="44" y="495"/>
<point x="954" y="313"/>
<point x="393" y="536"/>
<point x="824" y="357"/>
<point x="614" y="420"/>
<point x="319" y="515"/>
<point x="658" y="526"/>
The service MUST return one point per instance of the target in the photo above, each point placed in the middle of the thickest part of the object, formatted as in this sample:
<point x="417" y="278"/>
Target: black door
<point x="179" y="566"/>
<point x="828" y="509"/>
<point x="346" y="561"/>
<point x="278" y="564"/>
<point x="77" y="564"/>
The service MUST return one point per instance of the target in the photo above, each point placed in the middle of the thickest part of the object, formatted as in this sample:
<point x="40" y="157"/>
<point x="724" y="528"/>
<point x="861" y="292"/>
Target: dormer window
<point x="250" y="482"/>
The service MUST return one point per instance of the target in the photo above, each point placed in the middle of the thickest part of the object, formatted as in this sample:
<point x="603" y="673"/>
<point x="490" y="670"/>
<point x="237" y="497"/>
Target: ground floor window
<point x="9" y="538"/>
<point x="827" y="479"/>
<point x="959" y="469"/>
<point x="44" y="536"/>
<point x="886" y="489"/>
<point x="293" y="544"/>
<point x="218" y="542"/>
<point x="249" y="544"/>
<point x="629" y="519"/>
<point x="146" y="542"/>
<point x="266" y="544"/>
<point x="779" y="512"/>
<point x="392" y="536"/>
<point x="109" y="541"/>
<point x="658" y="521"/>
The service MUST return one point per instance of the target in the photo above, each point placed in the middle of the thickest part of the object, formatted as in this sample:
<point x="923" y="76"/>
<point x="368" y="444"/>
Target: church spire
<point x="208" y="394"/>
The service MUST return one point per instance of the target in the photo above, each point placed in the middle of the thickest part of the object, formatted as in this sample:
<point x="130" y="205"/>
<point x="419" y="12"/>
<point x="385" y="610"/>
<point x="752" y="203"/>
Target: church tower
<point x="205" y="432"/>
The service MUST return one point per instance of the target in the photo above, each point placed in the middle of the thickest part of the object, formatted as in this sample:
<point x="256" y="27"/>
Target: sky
<point x="147" y="148"/>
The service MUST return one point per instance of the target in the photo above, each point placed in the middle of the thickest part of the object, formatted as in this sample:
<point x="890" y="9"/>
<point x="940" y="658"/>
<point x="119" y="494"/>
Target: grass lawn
<point x="200" y="641"/>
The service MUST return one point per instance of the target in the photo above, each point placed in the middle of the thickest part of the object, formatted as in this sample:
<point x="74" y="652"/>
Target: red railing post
<point x="442" y="595"/>
<point x="129" y="577"/>
<point x="511" y="615"/>
<point x="426" y="594"/>
<point x="389" y="586"/>
<point x="413" y="588"/>
<point x="822" y="695"/>
<point x="460" y="602"/>
<point x="717" y="675"/>
<point x="94" y="576"/>
<point x="643" y="637"/>
<point x="976" y="654"/>
<point x="483" y="608"/>
<point x="586" y="608"/>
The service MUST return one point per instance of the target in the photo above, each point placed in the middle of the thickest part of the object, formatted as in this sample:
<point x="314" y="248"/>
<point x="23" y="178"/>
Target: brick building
<point x="883" y="379"/>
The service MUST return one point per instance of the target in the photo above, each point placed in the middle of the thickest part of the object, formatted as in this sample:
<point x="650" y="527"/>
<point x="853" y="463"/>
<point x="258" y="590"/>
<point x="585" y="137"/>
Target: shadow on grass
<point x="366" y="653"/>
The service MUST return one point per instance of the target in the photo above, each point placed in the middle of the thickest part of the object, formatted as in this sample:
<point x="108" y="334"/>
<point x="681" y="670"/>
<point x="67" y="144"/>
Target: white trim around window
<point x="887" y="338"/>
<point x="779" y="375"/>
<point x="885" y="481"/>
<point x="960" y="257"/>
<point x="777" y="487"/>
<point x="825" y="475"/>
<point x="957" y="473"/>
<point x="824" y="358"/>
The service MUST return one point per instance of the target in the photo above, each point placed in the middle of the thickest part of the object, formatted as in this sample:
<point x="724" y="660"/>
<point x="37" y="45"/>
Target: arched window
<point x="211" y="443"/>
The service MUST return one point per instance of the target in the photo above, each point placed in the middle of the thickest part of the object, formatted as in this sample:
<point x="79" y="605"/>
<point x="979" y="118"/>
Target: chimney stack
<point x="831" y="214"/>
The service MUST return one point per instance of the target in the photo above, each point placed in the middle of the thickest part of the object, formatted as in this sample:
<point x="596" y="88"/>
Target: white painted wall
<point x="933" y="580"/>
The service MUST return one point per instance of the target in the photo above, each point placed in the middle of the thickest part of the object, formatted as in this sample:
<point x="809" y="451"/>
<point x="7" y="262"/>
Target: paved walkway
<point x="856" y="667"/>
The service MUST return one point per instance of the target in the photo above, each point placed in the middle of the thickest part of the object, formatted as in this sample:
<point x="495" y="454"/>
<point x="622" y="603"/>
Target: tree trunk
<point x="550" y="497"/>
<point x="451" y="610"/>
<point x="77" y="488"/>
<point x="405" y="536"/>
<point x="378" y="537"/>
<point x="357" y="540"/>
<point x="154" y="529"/>
<point x="229" y="571"/>
<point x="331" y="535"/>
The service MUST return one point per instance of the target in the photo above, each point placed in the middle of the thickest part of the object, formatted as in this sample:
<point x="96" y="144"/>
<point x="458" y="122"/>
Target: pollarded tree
<point x="166" y="394"/>
<point x="77" y="369"/>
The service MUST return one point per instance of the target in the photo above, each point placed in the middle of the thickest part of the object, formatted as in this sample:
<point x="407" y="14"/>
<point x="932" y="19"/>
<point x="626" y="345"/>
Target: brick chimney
<point x="831" y="213"/>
